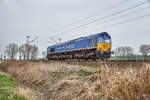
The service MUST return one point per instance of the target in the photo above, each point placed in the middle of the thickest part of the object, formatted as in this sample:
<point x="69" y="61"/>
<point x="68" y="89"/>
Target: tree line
<point x="24" y="52"/>
<point x="30" y="52"/>
<point x="128" y="51"/>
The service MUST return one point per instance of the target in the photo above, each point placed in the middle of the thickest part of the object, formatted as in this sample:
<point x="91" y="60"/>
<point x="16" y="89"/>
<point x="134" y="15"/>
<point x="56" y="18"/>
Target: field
<point x="112" y="80"/>
<point x="8" y="89"/>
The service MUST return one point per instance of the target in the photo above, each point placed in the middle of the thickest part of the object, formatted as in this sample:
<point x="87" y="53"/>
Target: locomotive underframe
<point x="79" y="54"/>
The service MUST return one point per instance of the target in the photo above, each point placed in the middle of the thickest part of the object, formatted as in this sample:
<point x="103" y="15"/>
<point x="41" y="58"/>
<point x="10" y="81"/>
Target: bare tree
<point x="44" y="53"/>
<point x="29" y="51"/>
<point x="12" y="50"/>
<point x="145" y="49"/>
<point x="5" y="55"/>
<point x="124" y="51"/>
<point x="33" y="52"/>
<point x="23" y="51"/>
<point x="1" y="57"/>
<point x="20" y="55"/>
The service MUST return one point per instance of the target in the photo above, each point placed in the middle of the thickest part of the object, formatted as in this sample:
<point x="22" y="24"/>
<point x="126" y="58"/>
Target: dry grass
<point x="124" y="84"/>
<point x="27" y="93"/>
<point x="61" y="81"/>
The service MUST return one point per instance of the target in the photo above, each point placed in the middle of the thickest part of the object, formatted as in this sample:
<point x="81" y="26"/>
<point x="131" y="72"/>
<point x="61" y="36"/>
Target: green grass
<point x="7" y="88"/>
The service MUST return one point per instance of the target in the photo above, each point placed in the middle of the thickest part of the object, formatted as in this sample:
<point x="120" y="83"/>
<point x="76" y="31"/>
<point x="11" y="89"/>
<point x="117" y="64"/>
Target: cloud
<point x="40" y="17"/>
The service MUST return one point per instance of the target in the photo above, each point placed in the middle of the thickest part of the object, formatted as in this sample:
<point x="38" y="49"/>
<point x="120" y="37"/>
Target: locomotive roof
<point x="79" y="39"/>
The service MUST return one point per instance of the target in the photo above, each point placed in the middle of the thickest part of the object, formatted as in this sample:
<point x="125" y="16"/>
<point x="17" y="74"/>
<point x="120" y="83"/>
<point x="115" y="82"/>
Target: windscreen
<point x="104" y="40"/>
<point x="107" y="40"/>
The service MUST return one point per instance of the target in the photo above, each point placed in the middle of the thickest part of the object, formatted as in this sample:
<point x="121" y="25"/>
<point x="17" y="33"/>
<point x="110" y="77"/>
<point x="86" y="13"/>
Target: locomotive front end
<point x="104" y="46"/>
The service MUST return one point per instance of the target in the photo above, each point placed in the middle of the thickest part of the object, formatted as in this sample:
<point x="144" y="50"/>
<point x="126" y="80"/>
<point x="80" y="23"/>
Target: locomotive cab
<point x="104" y="46"/>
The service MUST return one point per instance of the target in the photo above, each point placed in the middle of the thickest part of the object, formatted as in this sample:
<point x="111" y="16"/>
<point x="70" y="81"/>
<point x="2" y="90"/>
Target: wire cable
<point x="119" y="23"/>
<point x="124" y="15"/>
<point x="113" y="14"/>
<point x="101" y="11"/>
<point x="123" y="22"/>
<point x="95" y="14"/>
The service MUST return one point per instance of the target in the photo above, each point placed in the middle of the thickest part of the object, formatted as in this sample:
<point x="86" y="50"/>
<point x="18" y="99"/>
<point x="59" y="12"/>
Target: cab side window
<point x="93" y="41"/>
<point x="100" y="40"/>
<point x="52" y="49"/>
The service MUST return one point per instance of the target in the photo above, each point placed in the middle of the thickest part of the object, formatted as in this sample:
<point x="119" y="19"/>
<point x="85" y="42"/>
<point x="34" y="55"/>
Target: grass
<point x="7" y="88"/>
<point x="70" y="75"/>
<point x="61" y="81"/>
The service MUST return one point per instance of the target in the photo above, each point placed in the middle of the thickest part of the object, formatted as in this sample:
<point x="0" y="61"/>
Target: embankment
<point x="62" y="81"/>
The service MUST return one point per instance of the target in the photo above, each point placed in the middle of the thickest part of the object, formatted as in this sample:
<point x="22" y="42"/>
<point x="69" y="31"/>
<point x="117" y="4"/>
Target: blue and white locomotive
<point x="96" y="46"/>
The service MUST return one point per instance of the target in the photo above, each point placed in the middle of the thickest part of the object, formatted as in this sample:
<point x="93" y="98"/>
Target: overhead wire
<point x="122" y="16"/>
<point x="122" y="22"/>
<point x="95" y="14"/>
<point x="101" y="11"/>
<point x="140" y="17"/>
<point x="127" y="21"/>
<point x="113" y="14"/>
<point x="118" y="17"/>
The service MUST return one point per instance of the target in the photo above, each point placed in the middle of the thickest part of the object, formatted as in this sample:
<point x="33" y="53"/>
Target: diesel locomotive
<point x="97" y="46"/>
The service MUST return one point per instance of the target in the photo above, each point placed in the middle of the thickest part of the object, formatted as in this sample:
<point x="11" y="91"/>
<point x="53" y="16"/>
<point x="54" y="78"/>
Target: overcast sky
<point x="49" y="18"/>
